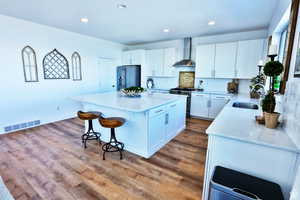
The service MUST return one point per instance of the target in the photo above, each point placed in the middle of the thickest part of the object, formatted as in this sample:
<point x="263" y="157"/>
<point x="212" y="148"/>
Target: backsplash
<point x="291" y="110"/>
<point x="209" y="84"/>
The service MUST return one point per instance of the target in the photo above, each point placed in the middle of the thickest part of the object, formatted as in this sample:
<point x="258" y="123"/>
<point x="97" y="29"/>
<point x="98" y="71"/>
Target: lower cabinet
<point x="199" y="105"/>
<point x="165" y="123"/>
<point x="217" y="103"/>
<point x="208" y="105"/>
<point x="157" y="129"/>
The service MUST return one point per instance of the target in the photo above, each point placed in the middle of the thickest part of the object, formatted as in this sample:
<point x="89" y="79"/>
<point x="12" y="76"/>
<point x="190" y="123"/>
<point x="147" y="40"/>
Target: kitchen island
<point x="152" y="120"/>
<point x="237" y="142"/>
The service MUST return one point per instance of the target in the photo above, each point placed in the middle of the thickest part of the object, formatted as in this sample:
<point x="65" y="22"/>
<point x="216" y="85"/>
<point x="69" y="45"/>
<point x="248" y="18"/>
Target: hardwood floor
<point x="48" y="162"/>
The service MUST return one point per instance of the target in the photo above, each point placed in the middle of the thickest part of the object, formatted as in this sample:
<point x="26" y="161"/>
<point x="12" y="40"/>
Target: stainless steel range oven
<point x="185" y="91"/>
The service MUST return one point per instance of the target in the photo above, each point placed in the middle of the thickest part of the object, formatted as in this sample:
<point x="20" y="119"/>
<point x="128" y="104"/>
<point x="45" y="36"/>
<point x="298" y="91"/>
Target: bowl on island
<point x="133" y="91"/>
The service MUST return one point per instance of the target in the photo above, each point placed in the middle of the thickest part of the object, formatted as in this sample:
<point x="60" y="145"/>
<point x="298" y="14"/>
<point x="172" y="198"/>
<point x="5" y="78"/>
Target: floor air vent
<point x="16" y="127"/>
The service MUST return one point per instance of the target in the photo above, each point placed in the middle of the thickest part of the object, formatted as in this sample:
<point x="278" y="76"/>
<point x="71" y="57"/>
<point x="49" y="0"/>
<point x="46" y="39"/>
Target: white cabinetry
<point x="165" y="123"/>
<point x="205" y="61"/>
<point x="248" y="54"/>
<point x="160" y="61"/>
<point x="208" y="105"/>
<point x="217" y="103"/>
<point x="157" y="129"/>
<point x="229" y="60"/>
<point x="133" y="57"/>
<point x="225" y="60"/>
<point x="155" y="62"/>
<point x="199" y="105"/>
<point x="170" y="57"/>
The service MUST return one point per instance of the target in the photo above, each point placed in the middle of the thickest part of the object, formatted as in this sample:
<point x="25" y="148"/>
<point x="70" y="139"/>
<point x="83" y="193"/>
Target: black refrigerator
<point x="128" y="76"/>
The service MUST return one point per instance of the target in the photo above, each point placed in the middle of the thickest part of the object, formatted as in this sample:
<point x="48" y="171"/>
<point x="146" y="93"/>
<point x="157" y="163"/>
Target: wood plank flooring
<point x="48" y="162"/>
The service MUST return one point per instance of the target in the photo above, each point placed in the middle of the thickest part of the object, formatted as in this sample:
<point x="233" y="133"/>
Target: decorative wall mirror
<point x="29" y="64"/>
<point x="76" y="67"/>
<point x="56" y="66"/>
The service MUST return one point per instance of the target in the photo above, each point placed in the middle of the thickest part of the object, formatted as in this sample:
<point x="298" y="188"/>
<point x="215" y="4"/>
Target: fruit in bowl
<point x="133" y="91"/>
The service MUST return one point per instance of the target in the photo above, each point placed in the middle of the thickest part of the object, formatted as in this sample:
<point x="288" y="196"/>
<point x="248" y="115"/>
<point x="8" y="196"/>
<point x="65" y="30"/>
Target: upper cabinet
<point x="205" y="61"/>
<point x="160" y="61"/>
<point x="225" y="60"/>
<point x="134" y="57"/>
<point x="229" y="60"/>
<point x="248" y="54"/>
<point x="155" y="62"/>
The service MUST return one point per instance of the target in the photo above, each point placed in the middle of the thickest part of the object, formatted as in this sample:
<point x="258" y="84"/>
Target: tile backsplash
<point x="291" y="110"/>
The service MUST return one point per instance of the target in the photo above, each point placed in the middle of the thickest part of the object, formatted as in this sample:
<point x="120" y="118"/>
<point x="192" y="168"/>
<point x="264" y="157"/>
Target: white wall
<point x="209" y="84"/>
<point x="22" y="102"/>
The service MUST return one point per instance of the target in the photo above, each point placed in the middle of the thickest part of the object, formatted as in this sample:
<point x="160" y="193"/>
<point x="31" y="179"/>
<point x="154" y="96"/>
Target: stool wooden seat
<point x="90" y="134"/>
<point x="113" y="145"/>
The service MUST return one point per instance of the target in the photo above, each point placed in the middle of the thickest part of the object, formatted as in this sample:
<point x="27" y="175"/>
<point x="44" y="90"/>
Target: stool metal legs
<point x="113" y="146"/>
<point x="90" y="135"/>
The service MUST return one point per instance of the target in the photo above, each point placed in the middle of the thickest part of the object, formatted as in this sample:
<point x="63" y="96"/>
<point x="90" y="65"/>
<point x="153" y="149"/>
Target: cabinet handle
<point x="172" y="106"/>
<point x="158" y="111"/>
<point x="220" y="97"/>
<point x="167" y="118"/>
<point x="209" y="103"/>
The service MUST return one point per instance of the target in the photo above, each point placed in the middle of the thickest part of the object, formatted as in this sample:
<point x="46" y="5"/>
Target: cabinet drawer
<point x="172" y="105"/>
<point x="157" y="111"/>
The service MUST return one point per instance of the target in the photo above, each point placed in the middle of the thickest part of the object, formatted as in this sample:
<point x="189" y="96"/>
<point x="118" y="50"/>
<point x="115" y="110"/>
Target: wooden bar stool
<point x="113" y="145"/>
<point x="90" y="134"/>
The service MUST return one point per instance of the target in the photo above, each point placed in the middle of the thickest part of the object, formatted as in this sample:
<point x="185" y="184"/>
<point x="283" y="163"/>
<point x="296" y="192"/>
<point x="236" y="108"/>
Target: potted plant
<point x="271" y="69"/>
<point x="257" y="84"/>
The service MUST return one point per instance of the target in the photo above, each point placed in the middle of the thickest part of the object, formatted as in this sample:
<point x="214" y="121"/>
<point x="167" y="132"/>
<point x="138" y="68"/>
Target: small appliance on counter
<point x="233" y="86"/>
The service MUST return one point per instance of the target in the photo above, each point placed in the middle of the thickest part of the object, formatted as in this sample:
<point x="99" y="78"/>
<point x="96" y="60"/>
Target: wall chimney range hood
<point x="187" y="54"/>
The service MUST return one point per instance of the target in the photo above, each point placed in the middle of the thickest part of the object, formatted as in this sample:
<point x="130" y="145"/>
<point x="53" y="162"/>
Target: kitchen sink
<point x="245" y="105"/>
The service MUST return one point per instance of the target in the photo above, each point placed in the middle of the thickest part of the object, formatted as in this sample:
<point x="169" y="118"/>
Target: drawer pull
<point x="173" y="105"/>
<point x="158" y="111"/>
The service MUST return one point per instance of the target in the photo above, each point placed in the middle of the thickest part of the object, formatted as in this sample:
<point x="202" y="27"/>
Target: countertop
<point x="239" y="124"/>
<point x="117" y="100"/>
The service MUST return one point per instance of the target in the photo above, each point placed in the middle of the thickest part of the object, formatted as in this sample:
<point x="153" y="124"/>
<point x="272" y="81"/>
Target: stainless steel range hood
<point x="187" y="54"/>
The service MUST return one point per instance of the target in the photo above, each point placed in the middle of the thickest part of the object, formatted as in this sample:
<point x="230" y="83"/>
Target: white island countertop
<point x="239" y="124"/>
<point x="117" y="100"/>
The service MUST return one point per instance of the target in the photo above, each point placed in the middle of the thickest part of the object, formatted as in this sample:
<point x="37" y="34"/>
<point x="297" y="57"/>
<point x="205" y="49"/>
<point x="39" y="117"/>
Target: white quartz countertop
<point x="117" y="100"/>
<point x="240" y="124"/>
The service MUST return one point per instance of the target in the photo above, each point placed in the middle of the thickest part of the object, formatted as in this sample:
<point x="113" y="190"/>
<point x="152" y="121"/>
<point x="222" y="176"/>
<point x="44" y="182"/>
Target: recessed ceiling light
<point x="121" y="6"/>
<point x="166" y="30"/>
<point x="211" y="23"/>
<point x="84" y="20"/>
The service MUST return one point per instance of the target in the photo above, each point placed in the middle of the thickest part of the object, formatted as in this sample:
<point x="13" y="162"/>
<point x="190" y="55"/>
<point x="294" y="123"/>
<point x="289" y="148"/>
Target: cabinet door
<point x="199" y="105"/>
<point x="248" y="54"/>
<point x="170" y="56"/>
<point x="126" y="58"/>
<point x="171" y="121"/>
<point x="157" y="129"/>
<point x="225" y="60"/>
<point x="216" y="105"/>
<point x="155" y="61"/>
<point x="137" y="57"/>
<point x="205" y="61"/>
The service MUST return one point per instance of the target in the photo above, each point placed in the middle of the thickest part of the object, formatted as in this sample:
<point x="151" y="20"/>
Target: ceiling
<point x="143" y="21"/>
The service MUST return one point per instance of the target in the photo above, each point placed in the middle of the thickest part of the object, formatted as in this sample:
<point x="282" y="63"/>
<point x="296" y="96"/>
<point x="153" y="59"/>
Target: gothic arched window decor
<point x="76" y="67"/>
<point x="29" y="64"/>
<point x="56" y="66"/>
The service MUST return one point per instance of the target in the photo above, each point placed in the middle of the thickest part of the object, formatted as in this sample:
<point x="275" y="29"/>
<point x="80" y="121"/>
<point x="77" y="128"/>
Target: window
<point x="29" y="64"/>
<point x="76" y="67"/>
<point x="56" y="66"/>
<point x="282" y="45"/>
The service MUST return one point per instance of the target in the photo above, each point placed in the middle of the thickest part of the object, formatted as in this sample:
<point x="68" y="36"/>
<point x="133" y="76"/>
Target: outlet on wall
<point x="57" y="108"/>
